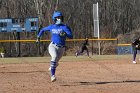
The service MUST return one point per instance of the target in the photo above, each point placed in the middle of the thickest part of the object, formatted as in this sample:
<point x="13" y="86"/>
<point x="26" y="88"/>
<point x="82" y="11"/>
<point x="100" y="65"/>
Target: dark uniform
<point x="135" y="46"/>
<point x="84" y="47"/>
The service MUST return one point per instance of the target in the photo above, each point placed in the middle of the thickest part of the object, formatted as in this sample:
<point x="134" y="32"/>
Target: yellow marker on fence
<point x="124" y="44"/>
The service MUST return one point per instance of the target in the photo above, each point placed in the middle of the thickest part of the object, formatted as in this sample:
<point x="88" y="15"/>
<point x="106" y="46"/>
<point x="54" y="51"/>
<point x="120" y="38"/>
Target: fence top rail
<point x="102" y="39"/>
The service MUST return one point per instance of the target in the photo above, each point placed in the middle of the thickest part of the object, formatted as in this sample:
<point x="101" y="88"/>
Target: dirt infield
<point x="74" y="75"/>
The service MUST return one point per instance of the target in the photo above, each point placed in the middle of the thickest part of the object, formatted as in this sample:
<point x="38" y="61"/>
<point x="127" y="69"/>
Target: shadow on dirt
<point x="93" y="83"/>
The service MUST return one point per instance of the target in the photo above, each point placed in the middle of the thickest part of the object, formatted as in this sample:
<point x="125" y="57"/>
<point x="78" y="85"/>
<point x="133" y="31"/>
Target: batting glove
<point x="38" y="39"/>
<point x="63" y="34"/>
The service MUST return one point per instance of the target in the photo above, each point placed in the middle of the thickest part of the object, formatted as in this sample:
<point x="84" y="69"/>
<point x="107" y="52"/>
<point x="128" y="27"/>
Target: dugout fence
<point x="124" y="49"/>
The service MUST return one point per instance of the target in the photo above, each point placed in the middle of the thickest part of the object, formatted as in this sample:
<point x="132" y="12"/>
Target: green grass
<point x="25" y="60"/>
<point x="63" y="59"/>
<point x="96" y="57"/>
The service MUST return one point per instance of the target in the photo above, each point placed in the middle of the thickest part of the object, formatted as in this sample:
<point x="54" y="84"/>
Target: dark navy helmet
<point x="56" y="14"/>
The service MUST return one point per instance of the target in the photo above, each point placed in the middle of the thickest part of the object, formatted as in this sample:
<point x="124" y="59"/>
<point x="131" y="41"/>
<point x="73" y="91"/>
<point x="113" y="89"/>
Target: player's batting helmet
<point x="56" y="14"/>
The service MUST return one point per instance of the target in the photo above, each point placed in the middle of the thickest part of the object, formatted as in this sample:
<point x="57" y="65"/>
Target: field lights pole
<point x="96" y="24"/>
<point x="99" y="45"/>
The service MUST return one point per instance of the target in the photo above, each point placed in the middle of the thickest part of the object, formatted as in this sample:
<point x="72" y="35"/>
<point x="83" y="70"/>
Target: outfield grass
<point x="64" y="59"/>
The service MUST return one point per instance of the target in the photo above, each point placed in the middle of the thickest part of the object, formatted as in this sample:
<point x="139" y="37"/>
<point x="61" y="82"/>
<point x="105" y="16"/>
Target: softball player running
<point x="83" y="48"/>
<point x="59" y="32"/>
<point x="135" y="46"/>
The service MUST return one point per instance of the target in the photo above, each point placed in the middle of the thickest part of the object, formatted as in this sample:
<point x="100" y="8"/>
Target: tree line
<point x="116" y="17"/>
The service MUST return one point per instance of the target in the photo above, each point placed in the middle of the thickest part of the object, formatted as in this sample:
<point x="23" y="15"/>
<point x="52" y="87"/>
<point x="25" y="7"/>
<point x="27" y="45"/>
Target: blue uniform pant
<point x="134" y="53"/>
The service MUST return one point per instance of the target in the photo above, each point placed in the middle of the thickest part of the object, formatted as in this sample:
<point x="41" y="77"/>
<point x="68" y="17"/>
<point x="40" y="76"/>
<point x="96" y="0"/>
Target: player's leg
<point x="81" y="51"/>
<point x="53" y="52"/>
<point x="60" y="53"/>
<point x="139" y="52"/>
<point x="77" y="52"/>
<point x="87" y="51"/>
<point x="134" y="55"/>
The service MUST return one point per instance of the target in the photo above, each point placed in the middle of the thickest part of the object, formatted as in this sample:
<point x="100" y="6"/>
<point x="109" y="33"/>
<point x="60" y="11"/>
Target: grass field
<point x="98" y="74"/>
<point x="64" y="59"/>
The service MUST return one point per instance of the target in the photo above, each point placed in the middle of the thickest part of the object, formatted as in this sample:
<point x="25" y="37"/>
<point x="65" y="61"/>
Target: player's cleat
<point x="49" y="69"/>
<point x="76" y="54"/>
<point x="89" y="57"/>
<point x="134" y="62"/>
<point x="53" y="78"/>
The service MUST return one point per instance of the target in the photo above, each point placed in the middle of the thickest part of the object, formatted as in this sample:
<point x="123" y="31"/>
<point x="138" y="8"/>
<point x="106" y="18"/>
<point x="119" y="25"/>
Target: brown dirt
<point x="111" y="76"/>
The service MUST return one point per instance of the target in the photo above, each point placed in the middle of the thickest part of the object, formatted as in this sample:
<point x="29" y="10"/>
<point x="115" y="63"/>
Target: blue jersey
<point x="55" y="33"/>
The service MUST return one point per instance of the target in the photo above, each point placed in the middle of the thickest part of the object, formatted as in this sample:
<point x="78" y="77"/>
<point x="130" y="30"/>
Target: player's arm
<point x="135" y="44"/>
<point x="68" y="32"/>
<point x="41" y="32"/>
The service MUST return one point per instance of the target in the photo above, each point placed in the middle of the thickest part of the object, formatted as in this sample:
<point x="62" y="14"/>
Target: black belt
<point x="58" y="45"/>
